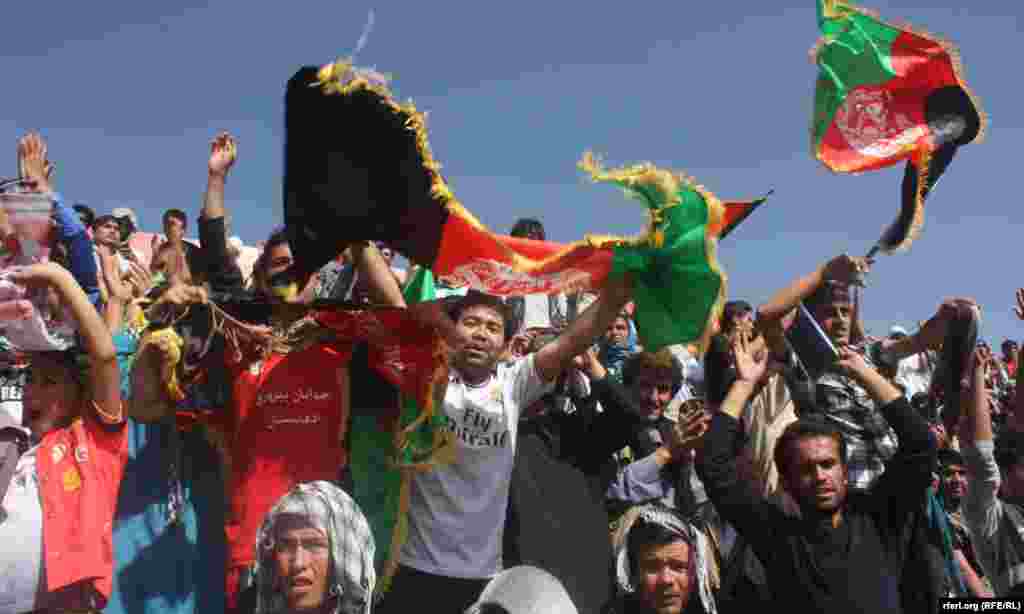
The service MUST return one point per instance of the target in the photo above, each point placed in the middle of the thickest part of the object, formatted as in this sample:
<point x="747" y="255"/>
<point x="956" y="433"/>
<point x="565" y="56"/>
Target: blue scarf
<point x="613" y="355"/>
<point x="938" y="522"/>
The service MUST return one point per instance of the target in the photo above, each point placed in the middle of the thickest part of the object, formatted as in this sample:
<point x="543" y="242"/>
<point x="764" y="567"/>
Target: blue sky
<point x="128" y="95"/>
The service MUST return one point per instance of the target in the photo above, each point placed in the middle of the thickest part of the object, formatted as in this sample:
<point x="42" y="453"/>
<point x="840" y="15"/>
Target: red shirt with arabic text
<point x="290" y="414"/>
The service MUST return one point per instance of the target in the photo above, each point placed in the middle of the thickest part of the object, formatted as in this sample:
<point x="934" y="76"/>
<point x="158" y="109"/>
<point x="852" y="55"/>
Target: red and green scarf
<point x="887" y="93"/>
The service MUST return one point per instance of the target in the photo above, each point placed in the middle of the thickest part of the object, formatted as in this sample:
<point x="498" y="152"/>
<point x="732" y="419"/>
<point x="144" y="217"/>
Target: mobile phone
<point x="812" y="346"/>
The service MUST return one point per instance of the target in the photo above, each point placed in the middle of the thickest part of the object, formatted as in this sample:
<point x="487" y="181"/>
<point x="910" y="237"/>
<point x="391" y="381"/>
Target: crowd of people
<point x="170" y="459"/>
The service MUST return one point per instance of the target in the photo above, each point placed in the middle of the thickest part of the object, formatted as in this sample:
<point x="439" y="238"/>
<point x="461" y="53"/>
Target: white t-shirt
<point x="457" y="511"/>
<point x="21" y="533"/>
<point x="543" y="311"/>
<point x="122" y="262"/>
<point x="915" y="374"/>
<point x="10" y="401"/>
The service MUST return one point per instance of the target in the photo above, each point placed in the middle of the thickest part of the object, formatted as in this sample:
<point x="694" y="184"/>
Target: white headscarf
<point x="675" y="523"/>
<point x="327" y="507"/>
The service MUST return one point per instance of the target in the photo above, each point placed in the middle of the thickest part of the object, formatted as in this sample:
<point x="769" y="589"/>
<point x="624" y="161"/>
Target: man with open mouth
<point x="314" y="554"/>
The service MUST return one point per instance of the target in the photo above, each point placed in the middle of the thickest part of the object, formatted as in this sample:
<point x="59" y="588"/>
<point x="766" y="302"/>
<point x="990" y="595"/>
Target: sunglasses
<point x="283" y="279"/>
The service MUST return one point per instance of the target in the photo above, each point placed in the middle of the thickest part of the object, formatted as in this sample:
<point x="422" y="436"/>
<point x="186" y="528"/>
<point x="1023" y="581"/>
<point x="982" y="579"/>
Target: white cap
<point x="128" y="213"/>
<point x="898" y="330"/>
<point x="525" y="590"/>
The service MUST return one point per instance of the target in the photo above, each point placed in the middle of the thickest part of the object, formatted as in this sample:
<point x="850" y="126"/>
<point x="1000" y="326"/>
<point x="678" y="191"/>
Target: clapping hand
<point x="751" y="364"/>
<point x="686" y="435"/>
<point x="139" y="278"/>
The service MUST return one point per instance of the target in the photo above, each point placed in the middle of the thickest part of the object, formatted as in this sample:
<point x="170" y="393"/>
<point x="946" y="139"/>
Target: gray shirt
<point x="996" y="527"/>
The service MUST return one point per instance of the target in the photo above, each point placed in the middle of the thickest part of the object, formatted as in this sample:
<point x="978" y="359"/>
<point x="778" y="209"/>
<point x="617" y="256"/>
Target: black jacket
<point x="867" y="564"/>
<point x="556" y="517"/>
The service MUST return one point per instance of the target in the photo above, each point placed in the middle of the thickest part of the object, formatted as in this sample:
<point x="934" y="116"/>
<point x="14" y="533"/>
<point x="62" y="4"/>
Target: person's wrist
<point x="929" y="336"/>
<point x="56" y="274"/>
<point x="830" y="271"/>
<point x="665" y="455"/>
<point x="747" y="385"/>
<point x="826" y="271"/>
<point x="217" y="176"/>
<point x="860" y="372"/>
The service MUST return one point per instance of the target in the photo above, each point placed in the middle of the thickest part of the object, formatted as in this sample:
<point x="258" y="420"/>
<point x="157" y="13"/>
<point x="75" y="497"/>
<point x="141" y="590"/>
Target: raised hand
<point x="688" y="432"/>
<point x="751" y="363"/>
<point x="139" y="278"/>
<point x="223" y="152"/>
<point x="32" y="162"/>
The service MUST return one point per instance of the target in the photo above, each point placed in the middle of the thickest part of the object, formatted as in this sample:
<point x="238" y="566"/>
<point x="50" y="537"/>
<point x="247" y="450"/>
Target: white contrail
<point x="365" y="36"/>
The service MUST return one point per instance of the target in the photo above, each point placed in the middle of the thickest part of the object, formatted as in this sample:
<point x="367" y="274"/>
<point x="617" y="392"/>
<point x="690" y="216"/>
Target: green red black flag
<point x="358" y="167"/>
<point x="888" y="93"/>
<point x="736" y="212"/>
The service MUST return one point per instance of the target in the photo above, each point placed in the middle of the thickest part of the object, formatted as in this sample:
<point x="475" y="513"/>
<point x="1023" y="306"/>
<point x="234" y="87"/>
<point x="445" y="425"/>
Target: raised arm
<point x="223" y="153"/>
<point x="221" y="270"/>
<point x="757" y="520"/>
<point x="931" y="335"/>
<point x="96" y="338"/>
<point x="556" y="356"/>
<point x="842" y="269"/>
<point x="902" y="487"/>
<point x="982" y="509"/>
<point x="32" y="160"/>
<point x="1016" y="418"/>
<point x="381" y="283"/>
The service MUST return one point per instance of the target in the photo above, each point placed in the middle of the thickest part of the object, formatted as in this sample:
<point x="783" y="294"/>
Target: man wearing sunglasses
<point x="290" y="411"/>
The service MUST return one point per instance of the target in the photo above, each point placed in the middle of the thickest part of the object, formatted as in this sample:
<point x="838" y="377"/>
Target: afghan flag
<point x="887" y="93"/>
<point x="738" y="211"/>
<point x="387" y="448"/>
<point x="358" y="167"/>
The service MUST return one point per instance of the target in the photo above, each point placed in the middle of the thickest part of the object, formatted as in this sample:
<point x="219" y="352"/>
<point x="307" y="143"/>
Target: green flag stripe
<point x="856" y="51"/>
<point x="675" y="286"/>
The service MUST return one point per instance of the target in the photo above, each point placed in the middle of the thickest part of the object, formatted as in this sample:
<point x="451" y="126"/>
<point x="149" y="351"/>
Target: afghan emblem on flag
<point x="884" y="94"/>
